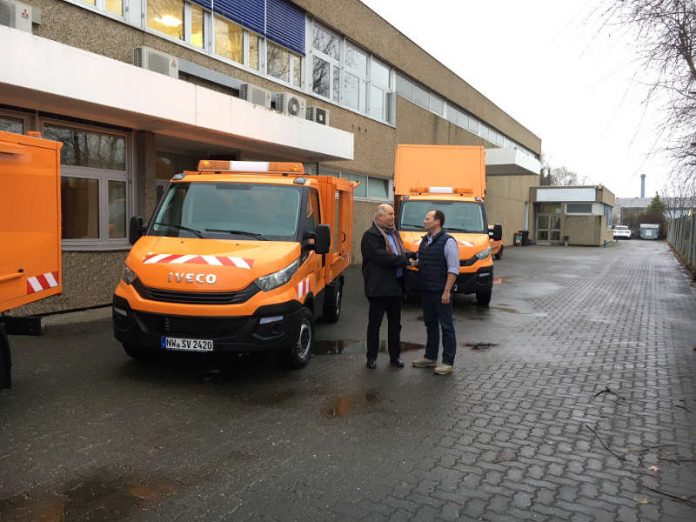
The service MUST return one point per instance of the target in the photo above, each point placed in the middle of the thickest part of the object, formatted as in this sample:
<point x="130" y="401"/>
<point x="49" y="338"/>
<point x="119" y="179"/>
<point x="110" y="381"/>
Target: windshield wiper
<point x="239" y="232"/>
<point x="180" y="227"/>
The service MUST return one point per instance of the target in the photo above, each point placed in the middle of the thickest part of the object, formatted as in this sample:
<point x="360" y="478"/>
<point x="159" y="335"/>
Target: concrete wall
<point x="89" y="279"/>
<point x="505" y="202"/>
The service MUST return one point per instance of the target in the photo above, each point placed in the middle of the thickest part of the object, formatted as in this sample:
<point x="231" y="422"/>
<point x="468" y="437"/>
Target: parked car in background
<point x="622" y="232"/>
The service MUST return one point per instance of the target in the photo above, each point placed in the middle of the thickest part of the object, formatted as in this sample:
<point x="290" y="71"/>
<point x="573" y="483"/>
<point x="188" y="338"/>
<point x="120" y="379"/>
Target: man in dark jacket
<point x="384" y="259"/>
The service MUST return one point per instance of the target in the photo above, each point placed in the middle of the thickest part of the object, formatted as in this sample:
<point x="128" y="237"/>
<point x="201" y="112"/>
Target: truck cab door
<point x="313" y="265"/>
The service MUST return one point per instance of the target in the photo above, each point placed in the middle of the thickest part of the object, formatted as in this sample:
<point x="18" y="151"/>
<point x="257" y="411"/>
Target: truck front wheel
<point x="301" y="350"/>
<point x="483" y="298"/>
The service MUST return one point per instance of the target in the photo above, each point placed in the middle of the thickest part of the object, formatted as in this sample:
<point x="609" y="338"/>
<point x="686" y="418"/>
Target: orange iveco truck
<point x="451" y="179"/>
<point x="30" y="256"/>
<point x="239" y="256"/>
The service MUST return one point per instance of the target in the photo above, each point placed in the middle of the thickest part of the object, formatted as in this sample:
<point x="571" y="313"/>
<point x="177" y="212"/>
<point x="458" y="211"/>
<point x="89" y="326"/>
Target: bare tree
<point x="666" y="36"/>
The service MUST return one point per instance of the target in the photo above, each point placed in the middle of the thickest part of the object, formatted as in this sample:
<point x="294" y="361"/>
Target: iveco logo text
<point x="182" y="277"/>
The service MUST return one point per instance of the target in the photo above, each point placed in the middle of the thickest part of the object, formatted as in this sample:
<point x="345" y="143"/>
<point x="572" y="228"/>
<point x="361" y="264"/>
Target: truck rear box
<point x="419" y="167"/>
<point x="30" y="224"/>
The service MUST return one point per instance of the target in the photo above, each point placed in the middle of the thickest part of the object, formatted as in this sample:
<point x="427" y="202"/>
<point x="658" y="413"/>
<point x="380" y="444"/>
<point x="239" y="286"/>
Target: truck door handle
<point x="10" y="277"/>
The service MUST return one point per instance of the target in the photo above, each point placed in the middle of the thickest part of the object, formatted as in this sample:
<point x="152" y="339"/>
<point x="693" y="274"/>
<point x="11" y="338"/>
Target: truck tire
<point x="499" y="254"/>
<point x="483" y="298"/>
<point x="334" y="294"/>
<point x="298" y="355"/>
<point x="139" y="353"/>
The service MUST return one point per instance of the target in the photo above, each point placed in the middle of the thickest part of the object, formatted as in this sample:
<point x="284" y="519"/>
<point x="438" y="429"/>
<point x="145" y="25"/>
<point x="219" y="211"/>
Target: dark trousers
<point x="438" y="316"/>
<point x="379" y="305"/>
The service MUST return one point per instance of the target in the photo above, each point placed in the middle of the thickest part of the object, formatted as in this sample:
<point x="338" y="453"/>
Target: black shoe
<point x="371" y="364"/>
<point x="396" y="363"/>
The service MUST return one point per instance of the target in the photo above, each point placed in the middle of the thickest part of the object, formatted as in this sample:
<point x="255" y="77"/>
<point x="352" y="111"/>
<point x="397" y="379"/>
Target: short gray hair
<point x="382" y="208"/>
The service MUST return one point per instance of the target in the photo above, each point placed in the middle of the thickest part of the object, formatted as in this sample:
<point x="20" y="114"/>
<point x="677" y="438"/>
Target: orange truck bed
<point x="30" y="258"/>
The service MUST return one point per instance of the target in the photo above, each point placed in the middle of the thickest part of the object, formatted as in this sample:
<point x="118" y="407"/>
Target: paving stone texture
<point x="573" y="398"/>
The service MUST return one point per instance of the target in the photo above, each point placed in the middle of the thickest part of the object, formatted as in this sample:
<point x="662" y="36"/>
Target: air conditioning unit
<point x="290" y="104"/>
<point x="318" y="114"/>
<point x="156" y="61"/>
<point x="255" y="94"/>
<point x="16" y="15"/>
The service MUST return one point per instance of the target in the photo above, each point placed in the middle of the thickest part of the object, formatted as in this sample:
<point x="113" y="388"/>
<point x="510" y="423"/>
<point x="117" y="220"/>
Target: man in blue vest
<point x="438" y="264"/>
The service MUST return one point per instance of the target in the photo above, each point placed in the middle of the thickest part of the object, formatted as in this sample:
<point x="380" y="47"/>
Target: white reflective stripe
<point x="51" y="280"/>
<point x="249" y="166"/>
<point x="34" y="282"/>
<point x="181" y="260"/>
<point x="156" y="259"/>
<point x="240" y="263"/>
<point x="212" y="260"/>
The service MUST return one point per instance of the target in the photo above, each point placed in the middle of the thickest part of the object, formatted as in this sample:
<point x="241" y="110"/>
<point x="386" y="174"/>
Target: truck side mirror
<point x="496" y="234"/>
<point x="322" y="239"/>
<point x="135" y="229"/>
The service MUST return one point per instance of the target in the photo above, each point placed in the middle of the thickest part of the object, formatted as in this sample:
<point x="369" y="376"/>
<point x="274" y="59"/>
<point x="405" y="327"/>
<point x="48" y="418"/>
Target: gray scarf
<point x="397" y="238"/>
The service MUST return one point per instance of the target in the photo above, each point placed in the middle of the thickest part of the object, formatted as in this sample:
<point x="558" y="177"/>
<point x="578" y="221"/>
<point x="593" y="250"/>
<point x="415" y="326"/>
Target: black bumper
<point x="481" y="281"/>
<point x="235" y="334"/>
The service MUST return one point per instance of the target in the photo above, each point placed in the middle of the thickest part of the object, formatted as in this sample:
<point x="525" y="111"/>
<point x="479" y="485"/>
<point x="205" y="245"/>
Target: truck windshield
<point x="229" y="211"/>
<point x="460" y="216"/>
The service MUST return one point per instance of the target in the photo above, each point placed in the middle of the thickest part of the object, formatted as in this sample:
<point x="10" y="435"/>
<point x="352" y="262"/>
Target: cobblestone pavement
<point x="573" y="398"/>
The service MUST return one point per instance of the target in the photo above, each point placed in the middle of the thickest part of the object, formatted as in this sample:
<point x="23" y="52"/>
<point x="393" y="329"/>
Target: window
<point x="360" y="190"/>
<point x="229" y="39"/>
<point x="166" y="16"/>
<point x="197" y="25"/>
<point x="421" y="97"/>
<point x="9" y="124"/>
<point x="94" y="186"/>
<point x="578" y="208"/>
<point x="377" y="188"/>
<point x="437" y="105"/>
<point x="283" y="64"/>
<point x="114" y="7"/>
<point x="254" y="51"/>
<point x="346" y="74"/>
<point x="326" y="50"/>
<point x="404" y="87"/>
<point x="312" y="218"/>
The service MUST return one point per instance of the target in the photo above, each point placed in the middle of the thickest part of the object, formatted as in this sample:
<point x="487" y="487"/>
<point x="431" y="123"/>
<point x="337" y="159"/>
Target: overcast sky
<point x="550" y="65"/>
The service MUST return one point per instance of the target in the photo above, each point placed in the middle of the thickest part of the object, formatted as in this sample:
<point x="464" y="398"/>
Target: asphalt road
<point x="573" y="398"/>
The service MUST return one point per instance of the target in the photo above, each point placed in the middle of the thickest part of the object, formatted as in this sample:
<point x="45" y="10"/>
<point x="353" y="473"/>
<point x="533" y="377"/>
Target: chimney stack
<point x="642" y="185"/>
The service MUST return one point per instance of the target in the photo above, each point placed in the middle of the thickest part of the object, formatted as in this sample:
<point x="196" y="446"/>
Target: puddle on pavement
<point x="481" y="346"/>
<point x="94" y="499"/>
<point x="326" y="347"/>
<point x="345" y="404"/>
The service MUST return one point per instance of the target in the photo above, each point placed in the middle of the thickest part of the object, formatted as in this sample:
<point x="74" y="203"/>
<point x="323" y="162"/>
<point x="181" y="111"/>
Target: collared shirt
<point x="395" y="248"/>
<point x="451" y="254"/>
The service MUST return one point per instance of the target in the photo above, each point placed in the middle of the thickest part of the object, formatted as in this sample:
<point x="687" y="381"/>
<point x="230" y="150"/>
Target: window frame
<point x="23" y="117"/>
<point x="103" y="176"/>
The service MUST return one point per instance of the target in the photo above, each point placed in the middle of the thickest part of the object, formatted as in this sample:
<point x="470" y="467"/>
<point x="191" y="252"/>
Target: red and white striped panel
<point x="177" y="259"/>
<point x="42" y="282"/>
<point x="303" y="288"/>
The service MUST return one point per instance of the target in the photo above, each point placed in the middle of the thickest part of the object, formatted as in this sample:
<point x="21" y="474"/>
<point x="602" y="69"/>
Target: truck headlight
<point x="483" y="254"/>
<point x="278" y="278"/>
<point x="128" y="275"/>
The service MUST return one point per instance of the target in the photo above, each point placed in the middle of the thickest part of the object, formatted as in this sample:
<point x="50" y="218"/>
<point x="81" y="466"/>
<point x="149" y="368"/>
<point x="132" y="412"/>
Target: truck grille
<point x="201" y="327"/>
<point x="213" y="298"/>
